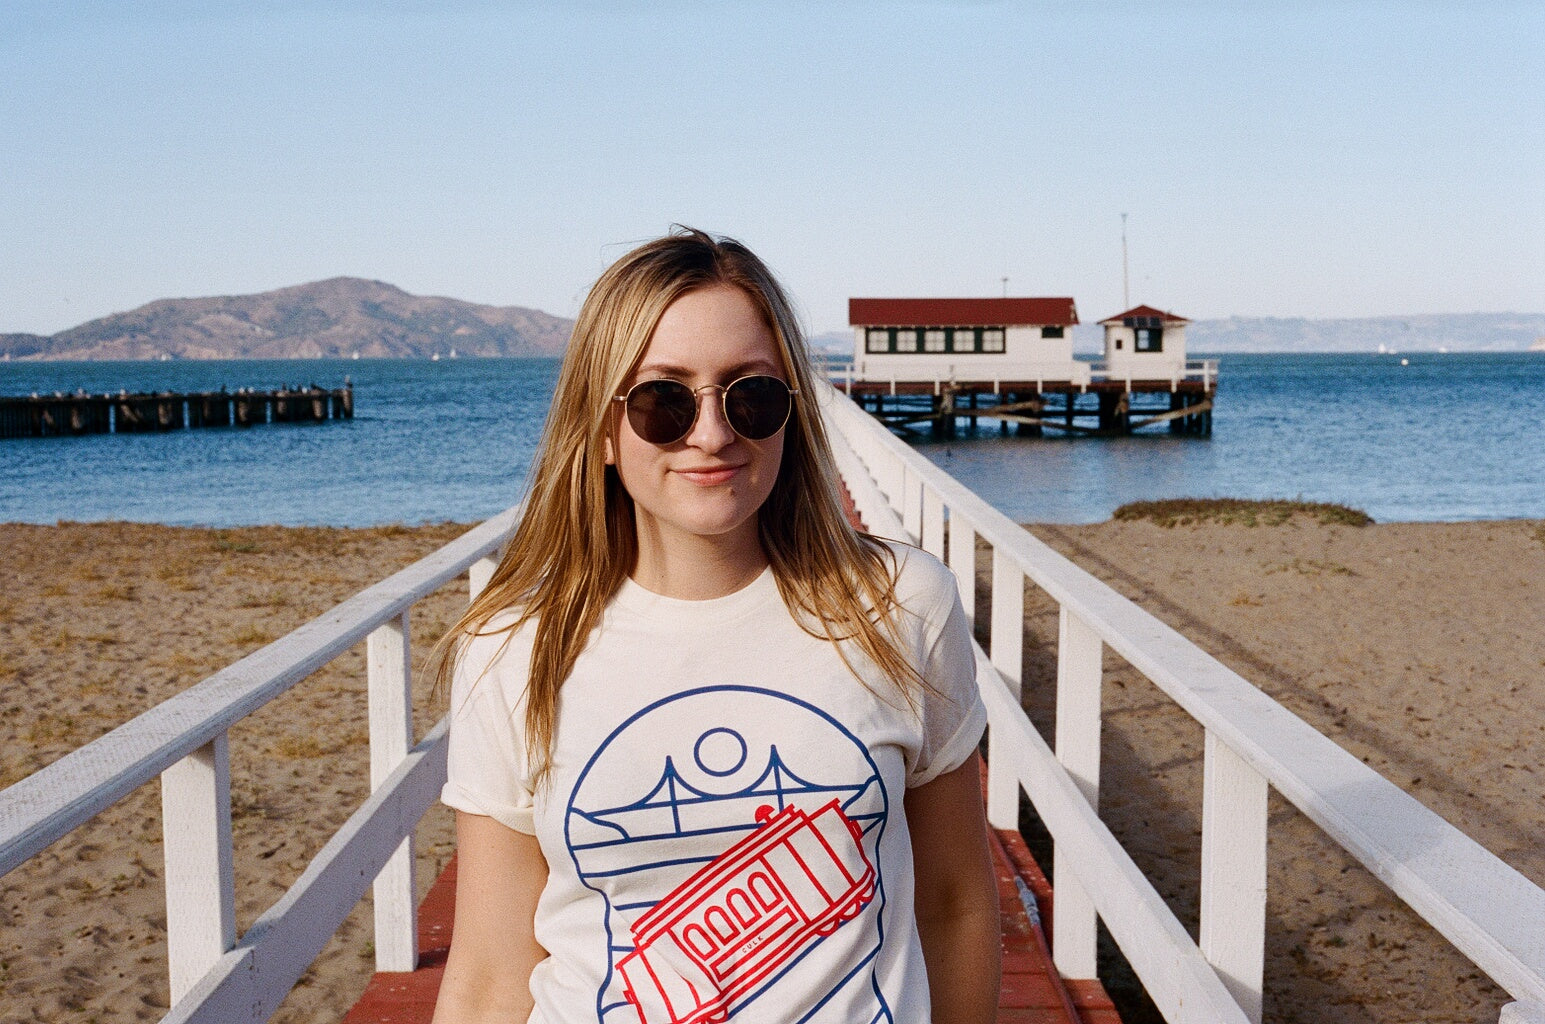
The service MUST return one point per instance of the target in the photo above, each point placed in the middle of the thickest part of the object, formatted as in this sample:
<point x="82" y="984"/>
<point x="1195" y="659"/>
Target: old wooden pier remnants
<point x="62" y="415"/>
<point x="1101" y="407"/>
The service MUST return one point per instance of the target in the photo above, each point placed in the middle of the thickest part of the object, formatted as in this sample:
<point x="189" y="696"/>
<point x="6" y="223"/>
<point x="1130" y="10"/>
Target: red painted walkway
<point x="1031" y="994"/>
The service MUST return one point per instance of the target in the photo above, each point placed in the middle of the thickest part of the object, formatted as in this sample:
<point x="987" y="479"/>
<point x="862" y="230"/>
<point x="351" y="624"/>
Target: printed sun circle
<point x="720" y="752"/>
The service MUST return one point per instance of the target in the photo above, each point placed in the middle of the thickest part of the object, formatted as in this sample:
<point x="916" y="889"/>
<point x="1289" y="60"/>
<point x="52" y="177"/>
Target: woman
<point x="713" y="751"/>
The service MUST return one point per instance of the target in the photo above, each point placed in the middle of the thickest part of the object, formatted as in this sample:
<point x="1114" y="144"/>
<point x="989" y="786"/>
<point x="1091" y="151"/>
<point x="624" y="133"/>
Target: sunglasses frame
<point x="697" y="405"/>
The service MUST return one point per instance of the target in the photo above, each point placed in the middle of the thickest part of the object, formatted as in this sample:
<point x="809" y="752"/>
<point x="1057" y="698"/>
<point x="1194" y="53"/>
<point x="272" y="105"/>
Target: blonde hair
<point x="576" y="543"/>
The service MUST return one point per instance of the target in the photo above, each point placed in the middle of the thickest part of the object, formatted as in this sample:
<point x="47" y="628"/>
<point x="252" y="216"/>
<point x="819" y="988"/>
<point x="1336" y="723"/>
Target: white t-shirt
<point x="723" y="822"/>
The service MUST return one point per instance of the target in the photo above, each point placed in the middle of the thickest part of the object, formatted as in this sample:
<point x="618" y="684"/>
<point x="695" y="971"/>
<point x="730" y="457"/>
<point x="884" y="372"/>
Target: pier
<point x="71" y="415"/>
<point x="1099" y="407"/>
<point x="1206" y="970"/>
<point x="937" y="361"/>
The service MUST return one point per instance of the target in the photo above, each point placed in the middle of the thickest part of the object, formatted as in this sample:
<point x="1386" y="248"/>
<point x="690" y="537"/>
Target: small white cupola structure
<point x="1145" y="343"/>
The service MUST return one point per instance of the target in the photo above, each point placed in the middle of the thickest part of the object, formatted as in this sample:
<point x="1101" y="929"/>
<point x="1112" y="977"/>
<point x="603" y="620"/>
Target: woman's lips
<point x="708" y="476"/>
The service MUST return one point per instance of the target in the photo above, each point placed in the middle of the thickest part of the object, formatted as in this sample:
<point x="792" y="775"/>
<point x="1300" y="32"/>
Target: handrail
<point x="1488" y="910"/>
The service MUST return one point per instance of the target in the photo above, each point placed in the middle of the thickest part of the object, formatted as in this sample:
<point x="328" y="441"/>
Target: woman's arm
<point x="957" y="896"/>
<point x="500" y="874"/>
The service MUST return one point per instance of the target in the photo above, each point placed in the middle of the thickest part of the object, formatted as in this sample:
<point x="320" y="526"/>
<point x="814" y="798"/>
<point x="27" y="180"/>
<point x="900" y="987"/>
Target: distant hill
<point x="336" y="317"/>
<point x="1457" y="332"/>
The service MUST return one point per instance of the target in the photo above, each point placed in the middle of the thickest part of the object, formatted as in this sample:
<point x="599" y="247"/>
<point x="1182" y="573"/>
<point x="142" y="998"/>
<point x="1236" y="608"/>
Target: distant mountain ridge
<point x="336" y="317"/>
<point x="344" y="315"/>
<point x="1457" y="332"/>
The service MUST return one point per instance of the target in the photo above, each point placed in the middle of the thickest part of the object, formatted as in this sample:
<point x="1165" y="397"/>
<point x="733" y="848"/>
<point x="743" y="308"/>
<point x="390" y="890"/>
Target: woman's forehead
<point x="714" y="330"/>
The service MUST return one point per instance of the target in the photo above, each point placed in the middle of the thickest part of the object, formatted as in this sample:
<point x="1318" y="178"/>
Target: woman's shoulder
<point x="922" y="581"/>
<point x="504" y="639"/>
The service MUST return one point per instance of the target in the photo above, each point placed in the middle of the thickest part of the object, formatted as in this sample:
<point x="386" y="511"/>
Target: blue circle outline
<point x="697" y="752"/>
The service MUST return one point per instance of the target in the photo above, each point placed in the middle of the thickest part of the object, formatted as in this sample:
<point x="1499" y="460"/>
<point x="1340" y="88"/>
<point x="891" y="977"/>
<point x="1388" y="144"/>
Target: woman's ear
<point x="611" y="458"/>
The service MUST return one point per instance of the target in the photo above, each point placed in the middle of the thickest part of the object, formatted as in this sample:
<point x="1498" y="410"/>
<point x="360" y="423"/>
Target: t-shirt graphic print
<point x="745" y="866"/>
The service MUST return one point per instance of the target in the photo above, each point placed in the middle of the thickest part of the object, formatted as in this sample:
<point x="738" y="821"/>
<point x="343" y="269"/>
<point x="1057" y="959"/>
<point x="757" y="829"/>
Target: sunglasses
<point x="662" y="411"/>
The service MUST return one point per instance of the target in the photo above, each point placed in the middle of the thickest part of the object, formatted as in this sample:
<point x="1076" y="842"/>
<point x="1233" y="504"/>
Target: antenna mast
<point x="1126" y="296"/>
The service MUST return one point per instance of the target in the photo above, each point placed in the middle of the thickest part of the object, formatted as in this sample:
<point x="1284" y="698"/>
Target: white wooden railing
<point x="1204" y="371"/>
<point x="1490" y="912"/>
<point x="843" y="371"/>
<point x="216" y="977"/>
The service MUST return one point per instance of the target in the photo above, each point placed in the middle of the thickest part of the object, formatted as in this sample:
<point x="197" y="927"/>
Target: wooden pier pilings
<point x="61" y="415"/>
<point x="1099" y="409"/>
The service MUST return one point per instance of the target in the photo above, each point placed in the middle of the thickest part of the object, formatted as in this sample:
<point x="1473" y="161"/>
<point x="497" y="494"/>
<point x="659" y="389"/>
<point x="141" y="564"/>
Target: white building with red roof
<point x="941" y="340"/>
<point x="1145" y="344"/>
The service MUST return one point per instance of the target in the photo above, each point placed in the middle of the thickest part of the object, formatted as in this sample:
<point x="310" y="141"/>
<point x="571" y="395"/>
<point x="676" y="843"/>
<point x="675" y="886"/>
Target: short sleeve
<point x="953" y="715"/>
<point x="486" y="767"/>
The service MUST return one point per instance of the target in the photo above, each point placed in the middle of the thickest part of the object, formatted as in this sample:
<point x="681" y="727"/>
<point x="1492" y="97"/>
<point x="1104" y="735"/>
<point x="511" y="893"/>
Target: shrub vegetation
<point x="1239" y="511"/>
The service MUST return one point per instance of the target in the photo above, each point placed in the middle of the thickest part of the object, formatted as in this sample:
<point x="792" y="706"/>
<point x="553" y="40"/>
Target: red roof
<point x="1169" y="318"/>
<point x="961" y="312"/>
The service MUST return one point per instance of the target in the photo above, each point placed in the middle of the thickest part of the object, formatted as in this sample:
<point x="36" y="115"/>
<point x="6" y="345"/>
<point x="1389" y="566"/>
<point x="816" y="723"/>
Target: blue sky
<point x="1305" y="159"/>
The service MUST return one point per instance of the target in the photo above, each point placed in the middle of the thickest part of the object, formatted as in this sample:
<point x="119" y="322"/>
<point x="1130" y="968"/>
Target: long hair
<point x="576" y="540"/>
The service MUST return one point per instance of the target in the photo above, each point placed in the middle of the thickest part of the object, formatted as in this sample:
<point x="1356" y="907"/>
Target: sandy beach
<point x="1418" y="647"/>
<point x="100" y="622"/>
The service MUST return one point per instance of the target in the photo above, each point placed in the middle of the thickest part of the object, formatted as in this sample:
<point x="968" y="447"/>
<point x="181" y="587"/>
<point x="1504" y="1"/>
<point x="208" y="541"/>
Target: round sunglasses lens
<point x="757" y="407"/>
<point x="661" y="411"/>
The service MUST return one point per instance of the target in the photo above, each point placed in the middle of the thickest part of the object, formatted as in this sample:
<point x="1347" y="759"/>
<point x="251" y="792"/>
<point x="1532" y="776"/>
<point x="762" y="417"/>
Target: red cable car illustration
<point x="747" y="913"/>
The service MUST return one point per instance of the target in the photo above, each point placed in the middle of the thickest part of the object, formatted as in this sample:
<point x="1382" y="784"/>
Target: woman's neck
<point x="695" y="568"/>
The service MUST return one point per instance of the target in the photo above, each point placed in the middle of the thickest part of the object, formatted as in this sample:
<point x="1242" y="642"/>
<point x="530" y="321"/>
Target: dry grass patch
<point x="253" y="634"/>
<point x="1172" y="512"/>
<point x="267" y="599"/>
<point x="1309" y="567"/>
<point x="53" y="728"/>
<point x="227" y="544"/>
<point x="299" y="747"/>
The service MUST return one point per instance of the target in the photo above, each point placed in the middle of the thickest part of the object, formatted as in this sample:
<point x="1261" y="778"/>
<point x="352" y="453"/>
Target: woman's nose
<point x="710" y="431"/>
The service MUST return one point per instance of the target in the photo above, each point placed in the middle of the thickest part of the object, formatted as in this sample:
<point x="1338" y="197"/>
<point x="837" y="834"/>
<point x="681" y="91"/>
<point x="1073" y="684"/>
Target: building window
<point x="877" y="340"/>
<point x="992" y="340"/>
<point x="1149" y="339"/>
<point x="963" y="339"/>
<point x="933" y="341"/>
<point x="906" y="341"/>
<point x="1051" y="332"/>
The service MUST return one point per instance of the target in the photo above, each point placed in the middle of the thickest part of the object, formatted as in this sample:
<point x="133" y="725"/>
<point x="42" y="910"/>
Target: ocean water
<point x="1448" y="437"/>
<point x="1451" y="436"/>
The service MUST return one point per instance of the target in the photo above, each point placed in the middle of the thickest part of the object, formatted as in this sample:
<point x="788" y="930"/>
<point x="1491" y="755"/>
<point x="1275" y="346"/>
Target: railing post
<point x="478" y="575"/>
<point x="933" y="522"/>
<point x="200" y="883"/>
<point x="963" y="560"/>
<point x="890" y="469"/>
<point x="1007" y="642"/>
<point x="1079" y="651"/>
<point x="1233" y="932"/>
<point x="911" y="505"/>
<point x="391" y="734"/>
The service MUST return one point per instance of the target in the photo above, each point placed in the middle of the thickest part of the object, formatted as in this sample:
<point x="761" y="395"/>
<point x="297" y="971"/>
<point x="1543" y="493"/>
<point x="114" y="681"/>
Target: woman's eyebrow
<point x="676" y="371"/>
